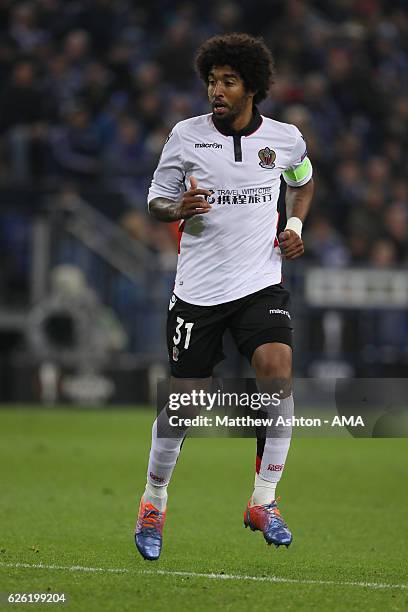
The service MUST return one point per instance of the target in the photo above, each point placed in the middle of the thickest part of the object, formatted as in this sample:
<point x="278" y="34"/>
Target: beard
<point x="227" y="118"/>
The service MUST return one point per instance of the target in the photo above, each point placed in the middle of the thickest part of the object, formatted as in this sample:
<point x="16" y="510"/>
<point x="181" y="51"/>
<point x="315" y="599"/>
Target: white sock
<point x="274" y="455"/>
<point x="264" y="491"/>
<point x="156" y="495"/>
<point x="164" y="453"/>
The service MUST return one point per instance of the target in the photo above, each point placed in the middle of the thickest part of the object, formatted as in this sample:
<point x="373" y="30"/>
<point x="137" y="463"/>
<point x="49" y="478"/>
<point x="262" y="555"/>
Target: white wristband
<point x="295" y="224"/>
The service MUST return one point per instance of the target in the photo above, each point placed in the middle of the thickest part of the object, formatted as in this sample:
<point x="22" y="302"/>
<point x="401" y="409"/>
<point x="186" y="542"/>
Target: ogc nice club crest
<point x="267" y="157"/>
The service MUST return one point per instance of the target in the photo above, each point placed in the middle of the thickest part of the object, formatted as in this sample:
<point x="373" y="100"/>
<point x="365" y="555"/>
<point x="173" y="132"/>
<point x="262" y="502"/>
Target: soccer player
<point x="219" y="176"/>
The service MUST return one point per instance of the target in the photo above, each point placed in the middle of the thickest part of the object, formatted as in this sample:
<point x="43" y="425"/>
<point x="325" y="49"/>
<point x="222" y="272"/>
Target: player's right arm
<point x="192" y="203"/>
<point x="169" y="199"/>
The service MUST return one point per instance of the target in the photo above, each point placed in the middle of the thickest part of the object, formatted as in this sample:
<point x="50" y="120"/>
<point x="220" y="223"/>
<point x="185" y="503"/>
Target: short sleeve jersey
<point x="231" y="251"/>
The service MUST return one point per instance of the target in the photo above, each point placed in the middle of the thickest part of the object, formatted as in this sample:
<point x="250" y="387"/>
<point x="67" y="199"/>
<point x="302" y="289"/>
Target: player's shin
<point x="272" y="450"/>
<point x="164" y="452"/>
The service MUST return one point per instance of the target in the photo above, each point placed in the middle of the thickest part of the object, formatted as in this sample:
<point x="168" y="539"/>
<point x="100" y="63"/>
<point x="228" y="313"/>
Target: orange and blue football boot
<point x="149" y="531"/>
<point x="268" y="519"/>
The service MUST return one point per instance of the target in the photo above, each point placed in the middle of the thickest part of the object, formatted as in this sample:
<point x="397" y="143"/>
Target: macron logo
<point x="279" y="311"/>
<point x="208" y="145"/>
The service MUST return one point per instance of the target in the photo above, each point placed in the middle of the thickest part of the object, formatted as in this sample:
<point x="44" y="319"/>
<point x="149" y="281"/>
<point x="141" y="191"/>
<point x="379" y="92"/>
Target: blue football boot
<point x="149" y="531"/>
<point x="268" y="519"/>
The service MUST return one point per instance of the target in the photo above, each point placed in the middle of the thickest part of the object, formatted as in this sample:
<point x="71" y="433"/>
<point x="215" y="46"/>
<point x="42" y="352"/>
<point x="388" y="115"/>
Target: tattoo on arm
<point x="165" y="210"/>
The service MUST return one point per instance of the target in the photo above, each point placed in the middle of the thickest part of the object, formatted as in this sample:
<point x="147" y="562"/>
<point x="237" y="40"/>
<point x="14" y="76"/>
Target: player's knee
<point x="273" y="362"/>
<point x="276" y="371"/>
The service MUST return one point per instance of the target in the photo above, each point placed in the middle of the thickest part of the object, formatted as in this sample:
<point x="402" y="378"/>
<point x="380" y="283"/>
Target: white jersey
<point x="231" y="251"/>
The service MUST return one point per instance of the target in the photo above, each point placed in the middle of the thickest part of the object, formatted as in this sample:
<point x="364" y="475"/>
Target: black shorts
<point x="194" y="333"/>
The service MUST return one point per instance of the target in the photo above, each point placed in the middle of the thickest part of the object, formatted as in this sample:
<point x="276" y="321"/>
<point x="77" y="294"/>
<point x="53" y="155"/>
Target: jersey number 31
<point x="177" y="335"/>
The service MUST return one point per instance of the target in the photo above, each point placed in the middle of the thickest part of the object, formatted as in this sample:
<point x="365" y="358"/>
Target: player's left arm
<point x="299" y="194"/>
<point x="298" y="201"/>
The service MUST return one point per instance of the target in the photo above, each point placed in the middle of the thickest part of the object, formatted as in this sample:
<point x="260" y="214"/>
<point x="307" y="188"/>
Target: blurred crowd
<point x="89" y="90"/>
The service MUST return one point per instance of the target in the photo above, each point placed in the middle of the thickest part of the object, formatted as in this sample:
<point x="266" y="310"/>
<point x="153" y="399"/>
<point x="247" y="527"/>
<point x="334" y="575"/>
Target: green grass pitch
<point x="70" y="487"/>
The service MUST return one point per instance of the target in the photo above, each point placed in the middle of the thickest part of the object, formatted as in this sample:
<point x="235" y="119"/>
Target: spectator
<point x="175" y="55"/>
<point x="24" y="28"/>
<point x="125" y="161"/>
<point x="396" y="229"/>
<point x="323" y="244"/>
<point x="383" y="254"/>
<point x="23" y="114"/>
<point x="76" y="146"/>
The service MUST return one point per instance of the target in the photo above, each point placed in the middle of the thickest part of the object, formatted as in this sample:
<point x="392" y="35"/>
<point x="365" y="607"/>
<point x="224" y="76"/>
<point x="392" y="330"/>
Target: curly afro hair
<point x="248" y="56"/>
